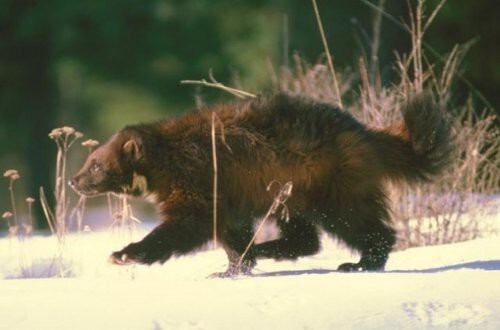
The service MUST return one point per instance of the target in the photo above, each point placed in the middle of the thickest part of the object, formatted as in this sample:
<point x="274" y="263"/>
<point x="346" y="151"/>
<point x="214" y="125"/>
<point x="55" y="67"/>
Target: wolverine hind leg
<point x="298" y="238"/>
<point x="374" y="252"/>
<point x="364" y="227"/>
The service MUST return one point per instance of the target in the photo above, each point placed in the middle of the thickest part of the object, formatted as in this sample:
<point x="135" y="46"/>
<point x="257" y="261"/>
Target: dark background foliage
<point x="98" y="65"/>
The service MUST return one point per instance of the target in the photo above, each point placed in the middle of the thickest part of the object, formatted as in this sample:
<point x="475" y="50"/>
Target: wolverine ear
<point x="133" y="149"/>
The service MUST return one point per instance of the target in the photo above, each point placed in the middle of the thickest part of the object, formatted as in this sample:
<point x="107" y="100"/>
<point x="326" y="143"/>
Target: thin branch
<point x="433" y="15"/>
<point x="328" y="55"/>
<point x="46" y="210"/>
<point x="377" y="24"/>
<point x="214" y="163"/>
<point x="215" y="84"/>
<point x="280" y="200"/>
<point x="286" y="42"/>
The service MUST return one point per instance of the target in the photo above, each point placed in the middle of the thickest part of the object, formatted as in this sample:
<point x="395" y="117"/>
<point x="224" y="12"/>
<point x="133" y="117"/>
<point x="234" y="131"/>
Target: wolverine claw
<point x="226" y="274"/>
<point x="119" y="258"/>
<point x="350" y="268"/>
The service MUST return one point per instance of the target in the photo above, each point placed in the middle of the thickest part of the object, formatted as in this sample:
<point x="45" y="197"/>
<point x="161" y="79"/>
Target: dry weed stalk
<point x="121" y="214"/>
<point x="376" y="31"/>
<point x="28" y="227"/>
<point x="12" y="175"/>
<point x="279" y="202"/>
<point x="328" y="54"/>
<point x="315" y="81"/>
<point x="12" y="230"/>
<point x="215" y="84"/>
<point x="216" y="121"/>
<point x="79" y="209"/>
<point x="64" y="138"/>
<point x="214" y="164"/>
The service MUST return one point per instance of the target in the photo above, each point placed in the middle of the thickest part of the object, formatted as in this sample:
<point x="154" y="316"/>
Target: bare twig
<point x="215" y="84"/>
<point x="12" y="175"/>
<point x="279" y="201"/>
<point x="49" y="216"/>
<point x="214" y="163"/>
<point x="285" y="40"/>
<point x="328" y="54"/>
<point x="377" y="24"/>
<point x="433" y="15"/>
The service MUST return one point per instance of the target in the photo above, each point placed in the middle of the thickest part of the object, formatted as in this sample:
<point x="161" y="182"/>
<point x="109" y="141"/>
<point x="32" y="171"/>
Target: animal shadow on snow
<point x="490" y="265"/>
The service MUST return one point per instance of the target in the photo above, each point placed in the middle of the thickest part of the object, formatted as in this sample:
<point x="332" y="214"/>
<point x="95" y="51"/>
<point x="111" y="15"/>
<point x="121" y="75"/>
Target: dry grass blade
<point x="377" y="25"/>
<point x="49" y="216"/>
<point x="214" y="163"/>
<point x="215" y="84"/>
<point x="433" y="15"/>
<point x="328" y="54"/>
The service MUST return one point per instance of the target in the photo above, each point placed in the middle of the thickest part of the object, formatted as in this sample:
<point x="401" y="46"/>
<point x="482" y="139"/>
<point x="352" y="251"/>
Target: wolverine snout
<point x="79" y="185"/>
<point x="73" y="183"/>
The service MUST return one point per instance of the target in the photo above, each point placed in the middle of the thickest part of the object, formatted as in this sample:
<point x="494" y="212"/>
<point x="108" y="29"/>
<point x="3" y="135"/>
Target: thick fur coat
<point x="337" y="166"/>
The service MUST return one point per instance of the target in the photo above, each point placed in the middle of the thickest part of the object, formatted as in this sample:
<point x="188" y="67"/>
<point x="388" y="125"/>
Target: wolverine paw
<point x="235" y="270"/>
<point x="350" y="267"/>
<point x="121" y="258"/>
<point x="226" y="274"/>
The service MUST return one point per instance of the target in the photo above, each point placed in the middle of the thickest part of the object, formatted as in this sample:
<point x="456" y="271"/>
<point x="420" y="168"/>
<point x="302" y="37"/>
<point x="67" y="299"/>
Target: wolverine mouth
<point x="89" y="191"/>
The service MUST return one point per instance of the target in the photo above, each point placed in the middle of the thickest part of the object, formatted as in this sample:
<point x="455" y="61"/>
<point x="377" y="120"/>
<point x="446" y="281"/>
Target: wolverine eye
<point x="94" y="168"/>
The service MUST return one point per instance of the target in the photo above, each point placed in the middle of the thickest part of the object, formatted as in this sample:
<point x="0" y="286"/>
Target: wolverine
<point x="338" y="168"/>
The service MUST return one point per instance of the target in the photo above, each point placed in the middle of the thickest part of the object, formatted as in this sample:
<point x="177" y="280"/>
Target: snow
<point x="449" y="286"/>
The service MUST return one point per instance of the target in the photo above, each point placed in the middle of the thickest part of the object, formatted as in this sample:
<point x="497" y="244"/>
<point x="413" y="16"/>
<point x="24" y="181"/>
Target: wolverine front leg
<point x="234" y="237"/>
<point x="183" y="231"/>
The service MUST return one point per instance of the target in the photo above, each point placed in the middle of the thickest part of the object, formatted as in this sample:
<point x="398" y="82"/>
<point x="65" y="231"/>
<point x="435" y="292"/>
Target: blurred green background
<point x="98" y="65"/>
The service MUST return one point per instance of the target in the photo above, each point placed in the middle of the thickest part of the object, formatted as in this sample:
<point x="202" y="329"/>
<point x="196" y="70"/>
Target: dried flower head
<point x="78" y="134"/>
<point x="68" y="130"/>
<point x="55" y="133"/>
<point x="7" y="215"/>
<point x="30" y="200"/>
<point x="11" y="174"/>
<point x="90" y="143"/>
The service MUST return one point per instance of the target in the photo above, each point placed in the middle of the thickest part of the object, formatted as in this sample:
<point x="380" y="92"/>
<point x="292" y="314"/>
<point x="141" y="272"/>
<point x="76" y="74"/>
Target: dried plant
<point x="215" y="84"/>
<point x="328" y="55"/>
<point x="12" y="229"/>
<point x="64" y="138"/>
<point x="279" y="202"/>
<point x="121" y="213"/>
<point x="79" y="209"/>
<point x="12" y="175"/>
<point x="28" y="227"/>
<point x="57" y="217"/>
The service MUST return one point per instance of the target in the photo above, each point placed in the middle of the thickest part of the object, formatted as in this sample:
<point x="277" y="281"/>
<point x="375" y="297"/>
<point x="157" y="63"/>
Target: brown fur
<point x="336" y="164"/>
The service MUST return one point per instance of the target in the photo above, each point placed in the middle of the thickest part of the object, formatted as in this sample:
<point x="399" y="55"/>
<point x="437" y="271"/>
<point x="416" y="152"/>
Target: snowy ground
<point x="456" y="285"/>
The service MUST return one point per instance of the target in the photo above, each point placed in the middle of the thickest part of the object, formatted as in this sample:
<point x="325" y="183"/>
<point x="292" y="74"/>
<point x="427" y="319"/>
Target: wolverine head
<point x="112" y="167"/>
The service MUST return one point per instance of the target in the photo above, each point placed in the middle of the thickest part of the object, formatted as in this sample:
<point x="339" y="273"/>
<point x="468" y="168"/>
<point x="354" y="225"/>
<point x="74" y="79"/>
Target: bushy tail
<point x="421" y="146"/>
